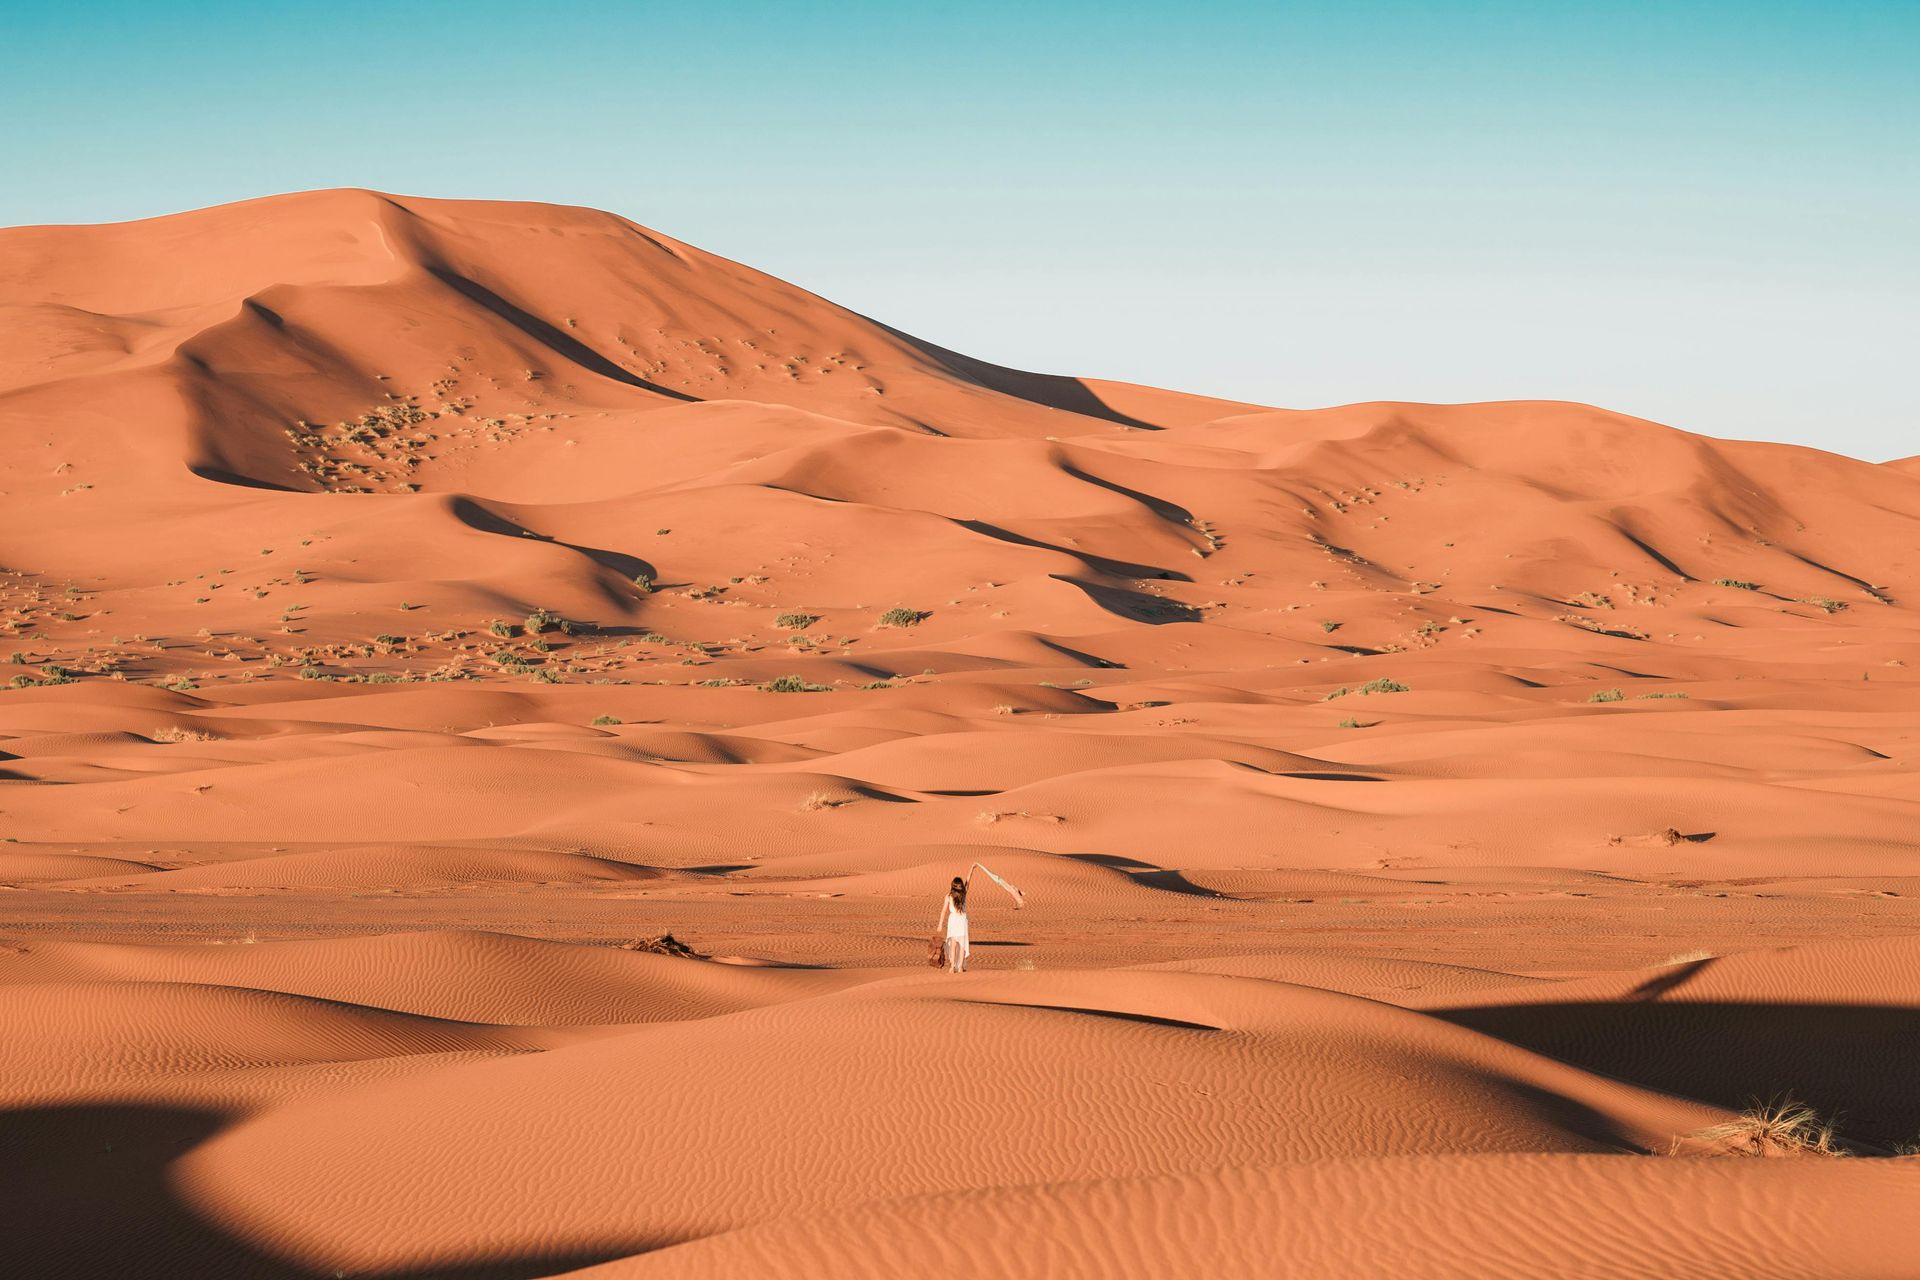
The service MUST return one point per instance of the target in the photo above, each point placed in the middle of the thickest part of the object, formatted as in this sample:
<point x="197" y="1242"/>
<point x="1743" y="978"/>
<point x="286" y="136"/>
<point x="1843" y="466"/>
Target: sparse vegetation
<point x="1678" y="693"/>
<point x="604" y="721"/>
<point x="1351" y="723"/>
<point x="791" y="684"/>
<point x="795" y="621"/>
<point x="501" y="628"/>
<point x="898" y="617"/>
<point x="1736" y="583"/>
<point x="663" y="945"/>
<point x="1823" y="604"/>
<point x="1782" y="1127"/>
<point x="178" y="733"/>
<point x="1329" y="627"/>
<point x="1607" y="695"/>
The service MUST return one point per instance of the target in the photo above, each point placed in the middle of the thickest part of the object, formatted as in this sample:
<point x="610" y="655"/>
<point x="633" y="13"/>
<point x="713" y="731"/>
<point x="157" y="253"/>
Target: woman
<point x="951" y="933"/>
<point x="953" y="924"/>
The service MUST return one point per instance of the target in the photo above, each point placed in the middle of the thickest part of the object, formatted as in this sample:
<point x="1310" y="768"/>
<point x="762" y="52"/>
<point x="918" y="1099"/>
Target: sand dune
<point x="1420" y="1216"/>
<point x="411" y="610"/>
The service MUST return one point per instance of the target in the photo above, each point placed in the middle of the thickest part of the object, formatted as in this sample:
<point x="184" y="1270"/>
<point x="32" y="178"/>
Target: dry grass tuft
<point x="1782" y="1127"/>
<point x="178" y="733"/>
<point x="664" y="945"/>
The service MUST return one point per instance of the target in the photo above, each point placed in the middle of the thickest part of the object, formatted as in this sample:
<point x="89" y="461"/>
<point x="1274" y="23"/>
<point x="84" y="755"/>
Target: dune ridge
<point x="491" y="696"/>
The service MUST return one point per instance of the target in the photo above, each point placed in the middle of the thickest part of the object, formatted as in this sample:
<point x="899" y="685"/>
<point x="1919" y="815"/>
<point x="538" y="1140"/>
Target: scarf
<point x="1019" y="898"/>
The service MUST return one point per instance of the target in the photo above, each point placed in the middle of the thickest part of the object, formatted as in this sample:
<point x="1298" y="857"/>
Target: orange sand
<point x="391" y="586"/>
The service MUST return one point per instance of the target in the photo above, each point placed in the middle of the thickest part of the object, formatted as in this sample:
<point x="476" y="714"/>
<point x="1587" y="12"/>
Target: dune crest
<point x="491" y="697"/>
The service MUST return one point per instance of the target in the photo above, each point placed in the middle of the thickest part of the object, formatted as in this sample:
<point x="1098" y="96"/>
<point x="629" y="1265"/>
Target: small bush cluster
<point x="791" y="684"/>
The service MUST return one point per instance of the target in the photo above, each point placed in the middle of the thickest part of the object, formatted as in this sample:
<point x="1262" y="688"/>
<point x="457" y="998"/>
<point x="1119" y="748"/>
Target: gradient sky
<point x="1703" y="213"/>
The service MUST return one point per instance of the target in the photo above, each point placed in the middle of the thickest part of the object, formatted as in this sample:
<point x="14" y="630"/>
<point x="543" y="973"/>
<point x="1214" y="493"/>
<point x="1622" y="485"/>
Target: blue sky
<point x="1704" y="213"/>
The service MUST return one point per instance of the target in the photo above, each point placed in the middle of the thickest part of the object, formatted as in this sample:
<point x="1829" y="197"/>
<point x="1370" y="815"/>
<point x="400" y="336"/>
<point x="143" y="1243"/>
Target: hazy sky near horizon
<point x="1706" y="213"/>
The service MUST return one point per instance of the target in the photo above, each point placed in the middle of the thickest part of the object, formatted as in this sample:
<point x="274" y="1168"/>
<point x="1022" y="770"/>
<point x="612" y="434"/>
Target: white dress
<point x="955" y="924"/>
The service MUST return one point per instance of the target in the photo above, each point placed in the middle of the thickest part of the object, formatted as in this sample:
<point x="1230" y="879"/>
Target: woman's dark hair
<point x="958" y="892"/>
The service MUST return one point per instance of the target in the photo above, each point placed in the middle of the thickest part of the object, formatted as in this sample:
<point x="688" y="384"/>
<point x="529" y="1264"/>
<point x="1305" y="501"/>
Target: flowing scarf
<point x="1019" y="898"/>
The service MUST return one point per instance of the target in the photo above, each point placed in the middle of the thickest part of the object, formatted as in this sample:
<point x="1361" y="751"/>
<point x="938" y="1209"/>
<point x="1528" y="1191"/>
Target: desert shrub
<point x="501" y="628"/>
<point x="606" y="720"/>
<point x="1782" y="1127"/>
<point x="795" y="621"/>
<point x="539" y="620"/>
<point x="1736" y="583"/>
<point x="1675" y="694"/>
<point x="897" y="617"/>
<point x="791" y="684"/>
<point x="1607" y="695"/>
<point x="1383" y="685"/>
<point x="1351" y="723"/>
<point x="1329" y="627"/>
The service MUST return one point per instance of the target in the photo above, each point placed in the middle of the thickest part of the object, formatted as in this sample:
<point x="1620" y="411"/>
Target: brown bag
<point x="937" y="952"/>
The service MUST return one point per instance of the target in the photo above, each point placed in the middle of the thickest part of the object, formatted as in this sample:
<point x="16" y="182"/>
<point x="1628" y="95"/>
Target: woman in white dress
<point x="951" y="932"/>
<point x="953" y="924"/>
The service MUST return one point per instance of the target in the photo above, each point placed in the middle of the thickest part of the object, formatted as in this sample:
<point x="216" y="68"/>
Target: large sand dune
<point x="1430" y="816"/>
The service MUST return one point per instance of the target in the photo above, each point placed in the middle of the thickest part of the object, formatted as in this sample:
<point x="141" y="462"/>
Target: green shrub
<point x="791" y="684"/>
<point x="1607" y="695"/>
<point x="898" y="617"/>
<point x="1383" y="685"/>
<point x="795" y="621"/>
<point x="1737" y="583"/>
<point x="606" y="720"/>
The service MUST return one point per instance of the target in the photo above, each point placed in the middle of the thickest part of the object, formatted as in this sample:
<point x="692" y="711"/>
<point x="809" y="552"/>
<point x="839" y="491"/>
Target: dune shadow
<point x="477" y="515"/>
<point x="1104" y="564"/>
<point x="1049" y="390"/>
<point x="539" y="330"/>
<point x="87" y="1194"/>
<point x="1117" y="1015"/>
<point x="1853" y="1063"/>
<point x="1138" y="606"/>
<point x="1146" y="874"/>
